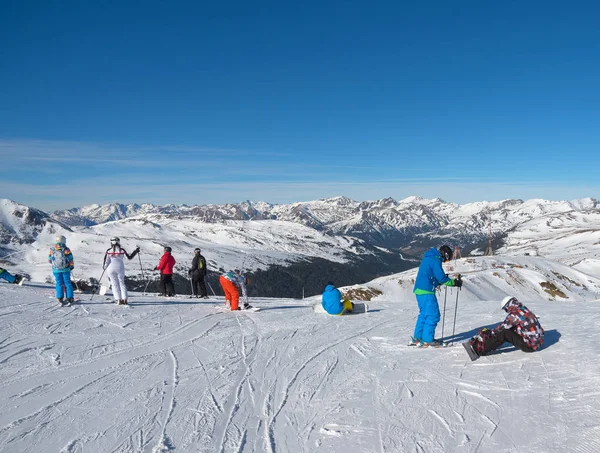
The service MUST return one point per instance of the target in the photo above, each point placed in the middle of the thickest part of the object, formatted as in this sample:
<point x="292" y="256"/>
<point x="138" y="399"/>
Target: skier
<point x="115" y="269"/>
<point x="521" y="328"/>
<point x="165" y="266"/>
<point x="61" y="258"/>
<point x="333" y="303"/>
<point x="198" y="272"/>
<point x="429" y="277"/>
<point x="16" y="279"/>
<point x="232" y="283"/>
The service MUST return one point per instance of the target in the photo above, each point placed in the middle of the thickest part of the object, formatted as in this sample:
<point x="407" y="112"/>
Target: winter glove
<point x="458" y="282"/>
<point x="137" y="249"/>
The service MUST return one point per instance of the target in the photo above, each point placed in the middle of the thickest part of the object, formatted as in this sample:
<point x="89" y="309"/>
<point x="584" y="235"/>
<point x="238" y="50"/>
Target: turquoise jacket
<point x="332" y="300"/>
<point x="431" y="274"/>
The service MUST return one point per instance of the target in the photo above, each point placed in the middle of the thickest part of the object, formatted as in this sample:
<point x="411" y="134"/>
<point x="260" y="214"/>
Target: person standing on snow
<point x="165" y="266"/>
<point x="430" y="276"/>
<point x="198" y="272"/>
<point x="61" y="258"/>
<point x="10" y="278"/>
<point x="521" y="328"/>
<point x="333" y="303"/>
<point x="115" y="269"/>
<point x="234" y="282"/>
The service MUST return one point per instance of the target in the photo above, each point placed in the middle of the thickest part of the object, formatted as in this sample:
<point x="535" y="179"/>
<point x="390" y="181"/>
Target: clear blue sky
<point x="212" y="102"/>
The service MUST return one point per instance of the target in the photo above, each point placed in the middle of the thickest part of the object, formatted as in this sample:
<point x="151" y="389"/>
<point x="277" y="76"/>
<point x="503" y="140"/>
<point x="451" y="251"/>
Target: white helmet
<point x="60" y="240"/>
<point x="505" y="301"/>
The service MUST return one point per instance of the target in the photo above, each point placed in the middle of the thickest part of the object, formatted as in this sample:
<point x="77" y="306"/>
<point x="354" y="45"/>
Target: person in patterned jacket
<point x="521" y="328"/>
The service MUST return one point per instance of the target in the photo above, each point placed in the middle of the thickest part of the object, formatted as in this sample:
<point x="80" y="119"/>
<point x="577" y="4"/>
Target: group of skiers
<point x="521" y="327"/>
<point x="61" y="258"/>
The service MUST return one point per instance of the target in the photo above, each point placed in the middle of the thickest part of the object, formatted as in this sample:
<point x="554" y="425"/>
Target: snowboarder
<point x="10" y="278"/>
<point x="198" y="272"/>
<point x="333" y="302"/>
<point x="429" y="277"/>
<point x="234" y="282"/>
<point x="115" y="269"/>
<point x="61" y="258"/>
<point x="165" y="266"/>
<point x="521" y="328"/>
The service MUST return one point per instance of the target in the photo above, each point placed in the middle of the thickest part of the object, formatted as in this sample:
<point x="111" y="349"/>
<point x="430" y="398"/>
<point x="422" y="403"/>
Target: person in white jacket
<point x="115" y="269"/>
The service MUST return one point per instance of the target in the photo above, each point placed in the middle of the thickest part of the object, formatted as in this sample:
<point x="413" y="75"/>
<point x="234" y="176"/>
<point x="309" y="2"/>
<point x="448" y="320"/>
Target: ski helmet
<point x="505" y="301"/>
<point x="446" y="252"/>
<point x="197" y="250"/>
<point x="114" y="240"/>
<point x="168" y="249"/>
<point x="60" y="239"/>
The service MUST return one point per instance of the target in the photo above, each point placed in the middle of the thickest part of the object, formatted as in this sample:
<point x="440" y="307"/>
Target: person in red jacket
<point x="165" y="266"/>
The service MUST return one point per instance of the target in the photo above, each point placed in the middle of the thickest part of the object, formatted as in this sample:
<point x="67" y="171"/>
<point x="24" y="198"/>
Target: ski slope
<point x="179" y="375"/>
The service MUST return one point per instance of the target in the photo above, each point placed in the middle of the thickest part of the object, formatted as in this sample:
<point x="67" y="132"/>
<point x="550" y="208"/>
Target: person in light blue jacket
<point x="10" y="278"/>
<point x="61" y="258"/>
<point x="333" y="303"/>
<point x="430" y="276"/>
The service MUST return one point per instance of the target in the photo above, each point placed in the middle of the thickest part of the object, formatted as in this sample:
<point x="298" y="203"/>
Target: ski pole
<point x="210" y="286"/>
<point x="93" y="293"/>
<point x="444" y="312"/>
<point x="141" y="267"/>
<point x="455" y="310"/>
<point x="191" y="285"/>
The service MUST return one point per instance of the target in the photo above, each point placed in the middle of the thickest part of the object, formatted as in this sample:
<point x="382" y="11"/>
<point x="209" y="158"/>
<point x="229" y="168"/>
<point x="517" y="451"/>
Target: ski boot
<point x="247" y="306"/>
<point x="70" y="301"/>
<point x="61" y="300"/>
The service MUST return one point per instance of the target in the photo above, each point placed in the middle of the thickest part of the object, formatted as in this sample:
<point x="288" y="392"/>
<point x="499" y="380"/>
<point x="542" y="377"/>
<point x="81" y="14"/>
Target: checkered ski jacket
<point x="524" y="322"/>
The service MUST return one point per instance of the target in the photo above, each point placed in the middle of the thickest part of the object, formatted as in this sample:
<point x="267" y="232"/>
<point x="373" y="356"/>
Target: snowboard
<point x="359" y="308"/>
<point x="472" y="354"/>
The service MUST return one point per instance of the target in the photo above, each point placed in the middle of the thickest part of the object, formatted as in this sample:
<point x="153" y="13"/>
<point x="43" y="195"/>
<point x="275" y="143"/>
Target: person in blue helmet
<point x="333" y="302"/>
<point x="430" y="276"/>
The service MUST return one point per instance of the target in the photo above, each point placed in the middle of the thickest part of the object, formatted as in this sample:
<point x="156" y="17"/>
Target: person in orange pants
<point x="232" y="283"/>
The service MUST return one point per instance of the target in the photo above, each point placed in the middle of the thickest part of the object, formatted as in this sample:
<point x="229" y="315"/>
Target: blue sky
<point x="212" y="102"/>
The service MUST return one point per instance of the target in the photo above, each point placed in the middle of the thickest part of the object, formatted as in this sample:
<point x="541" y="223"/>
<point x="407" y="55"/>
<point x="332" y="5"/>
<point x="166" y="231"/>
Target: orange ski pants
<point x="231" y="292"/>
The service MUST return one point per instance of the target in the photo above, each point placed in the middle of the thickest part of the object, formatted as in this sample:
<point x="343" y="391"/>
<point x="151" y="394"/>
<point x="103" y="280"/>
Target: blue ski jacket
<point x="431" y="274"/>
<point x="332" y="300"/>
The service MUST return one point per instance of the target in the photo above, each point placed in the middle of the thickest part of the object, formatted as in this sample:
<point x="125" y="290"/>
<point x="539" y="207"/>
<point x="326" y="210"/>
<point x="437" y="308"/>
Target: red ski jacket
<point x="166" y="264"/>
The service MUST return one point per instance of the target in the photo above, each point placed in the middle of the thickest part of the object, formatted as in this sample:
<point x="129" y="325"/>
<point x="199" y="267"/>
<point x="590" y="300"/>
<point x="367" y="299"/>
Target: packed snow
<point x="180" y="375"/>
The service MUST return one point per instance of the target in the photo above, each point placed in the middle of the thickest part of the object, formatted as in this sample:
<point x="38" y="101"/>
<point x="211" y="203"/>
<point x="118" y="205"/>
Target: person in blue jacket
<point x="430" y="276"/>
<point x="61" y="258"/>
<point x="333" y="303"/>
<point x="10" y="278"/>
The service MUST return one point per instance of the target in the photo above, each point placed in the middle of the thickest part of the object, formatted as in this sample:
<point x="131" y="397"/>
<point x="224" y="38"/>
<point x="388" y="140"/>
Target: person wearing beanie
<point x="165" y="266"/>
<point x="198" y="272"/>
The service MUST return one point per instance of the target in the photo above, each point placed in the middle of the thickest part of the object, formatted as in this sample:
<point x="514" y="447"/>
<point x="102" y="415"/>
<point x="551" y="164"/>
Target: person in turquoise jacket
<point x="10" y="278"/>
<point x="332" y="301"/>
<point x="61" y="258"/>
<point x="430" y="276"/>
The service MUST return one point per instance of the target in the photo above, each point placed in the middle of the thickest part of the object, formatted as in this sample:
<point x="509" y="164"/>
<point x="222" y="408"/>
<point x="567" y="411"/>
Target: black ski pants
<point x="506" y="335"/>
<point x="166" y="284"/>
<point x="198" y="285"/>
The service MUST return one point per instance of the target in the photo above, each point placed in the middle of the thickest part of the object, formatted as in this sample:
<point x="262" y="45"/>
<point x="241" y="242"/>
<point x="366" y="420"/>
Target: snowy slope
<point x="179" y="375"/>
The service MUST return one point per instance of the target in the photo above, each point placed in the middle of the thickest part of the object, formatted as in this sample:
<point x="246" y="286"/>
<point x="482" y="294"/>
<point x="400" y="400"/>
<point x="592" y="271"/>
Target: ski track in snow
<point x="169" y="376"/>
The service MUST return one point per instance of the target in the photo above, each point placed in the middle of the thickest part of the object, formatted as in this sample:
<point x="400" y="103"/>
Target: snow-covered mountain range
<point x="383" y="235"/>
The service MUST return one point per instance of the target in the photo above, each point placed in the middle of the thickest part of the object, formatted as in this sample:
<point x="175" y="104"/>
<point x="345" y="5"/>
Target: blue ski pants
<point x="7" y="276"/>
<point x="429" y="316"/>
<point x="63" y="282"/>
